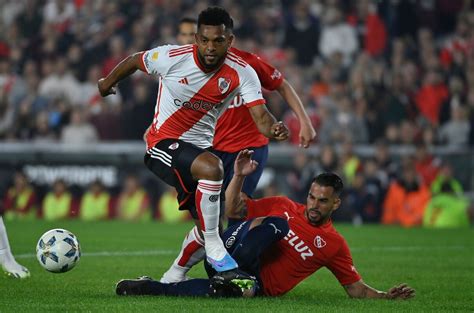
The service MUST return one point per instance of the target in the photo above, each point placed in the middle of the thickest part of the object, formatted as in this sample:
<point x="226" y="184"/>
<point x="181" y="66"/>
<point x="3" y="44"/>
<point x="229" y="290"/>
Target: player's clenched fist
<point x="104" y="89"/>
<point x="280" y="131"/>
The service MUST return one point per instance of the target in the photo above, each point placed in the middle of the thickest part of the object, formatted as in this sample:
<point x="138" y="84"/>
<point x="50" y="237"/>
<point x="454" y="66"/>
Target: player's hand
<point x="280" y="131"/>
<point x="244" y="165"/>
<point x="104" y="89"/>
<point x="307" y="134"/>
<point x="402" y="292"/>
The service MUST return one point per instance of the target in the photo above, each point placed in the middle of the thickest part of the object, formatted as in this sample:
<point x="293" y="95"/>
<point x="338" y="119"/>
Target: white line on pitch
<point x="173" y="252"/>
<point x="112" y="253"/>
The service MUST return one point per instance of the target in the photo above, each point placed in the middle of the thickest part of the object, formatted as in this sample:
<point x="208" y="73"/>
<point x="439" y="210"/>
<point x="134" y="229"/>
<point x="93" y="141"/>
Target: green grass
<point x="439" y="264"/>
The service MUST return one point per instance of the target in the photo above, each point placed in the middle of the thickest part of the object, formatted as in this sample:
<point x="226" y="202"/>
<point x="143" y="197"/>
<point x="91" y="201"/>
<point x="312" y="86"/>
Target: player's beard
<point x="315" y="217"/>
<point x="210" y="66"/>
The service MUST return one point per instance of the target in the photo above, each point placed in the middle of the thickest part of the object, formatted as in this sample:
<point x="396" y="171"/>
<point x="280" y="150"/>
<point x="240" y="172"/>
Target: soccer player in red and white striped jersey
<point x="197" y="83"/>
<point x="235" y="131"/>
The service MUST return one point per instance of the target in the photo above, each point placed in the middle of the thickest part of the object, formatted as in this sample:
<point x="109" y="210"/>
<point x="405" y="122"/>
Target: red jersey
<point x="303" y="251"/>
<point x="236" y="129"/>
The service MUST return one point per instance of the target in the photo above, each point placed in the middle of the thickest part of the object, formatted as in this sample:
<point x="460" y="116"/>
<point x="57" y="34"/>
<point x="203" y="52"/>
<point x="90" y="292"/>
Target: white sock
<point x="208" y="207"/>
<point x="5" y="253"/>
<point x="192" y="252"/>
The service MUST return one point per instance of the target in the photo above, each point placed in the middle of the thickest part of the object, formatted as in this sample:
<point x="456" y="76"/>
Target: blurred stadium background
<point x="389" y="86"/>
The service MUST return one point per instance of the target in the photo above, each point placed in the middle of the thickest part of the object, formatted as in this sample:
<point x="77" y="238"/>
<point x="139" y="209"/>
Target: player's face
<point x="213" y="43"/>
<point x="186" y="33"/>
<point x="320" y="204"/>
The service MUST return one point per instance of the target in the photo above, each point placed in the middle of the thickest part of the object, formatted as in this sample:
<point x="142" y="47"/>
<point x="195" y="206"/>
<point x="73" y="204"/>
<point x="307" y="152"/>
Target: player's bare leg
<point x="7" y="261"/>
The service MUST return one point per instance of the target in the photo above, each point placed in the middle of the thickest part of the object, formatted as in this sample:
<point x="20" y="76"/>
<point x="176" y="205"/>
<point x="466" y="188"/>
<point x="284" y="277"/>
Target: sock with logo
<point x="208" y="208"/>
<point x="257" y="240"/>
<point x="192" y="252"/>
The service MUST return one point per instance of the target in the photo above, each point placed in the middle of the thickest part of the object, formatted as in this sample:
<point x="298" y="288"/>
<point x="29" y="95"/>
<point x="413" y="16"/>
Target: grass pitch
<point x="439" y="264"/>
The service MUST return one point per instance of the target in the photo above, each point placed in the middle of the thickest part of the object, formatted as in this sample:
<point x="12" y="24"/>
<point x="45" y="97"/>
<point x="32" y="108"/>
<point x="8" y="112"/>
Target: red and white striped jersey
<point x="190" y="98"/>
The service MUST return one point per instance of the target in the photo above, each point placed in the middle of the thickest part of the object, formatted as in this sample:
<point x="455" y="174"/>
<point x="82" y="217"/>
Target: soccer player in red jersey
<point x="236" y="131"/>
<point x="197" y="83"/>
<point x="281" y="242"/>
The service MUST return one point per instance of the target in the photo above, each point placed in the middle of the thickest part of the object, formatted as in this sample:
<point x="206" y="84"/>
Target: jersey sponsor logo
<point x="223" y="84"/>
<point x="319" y="242"/>
<point x="174" y="146"/>
<point x="276" y="74"/>
<point x="230" y="241"/>
<point x="299" y="245"/>
<point x="196" y="105"/>
<point x="238" y="101"/>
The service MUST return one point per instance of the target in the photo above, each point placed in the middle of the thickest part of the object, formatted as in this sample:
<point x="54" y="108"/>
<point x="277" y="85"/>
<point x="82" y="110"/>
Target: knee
<point x="208" y="166"/>
<point x="279" y="224"/>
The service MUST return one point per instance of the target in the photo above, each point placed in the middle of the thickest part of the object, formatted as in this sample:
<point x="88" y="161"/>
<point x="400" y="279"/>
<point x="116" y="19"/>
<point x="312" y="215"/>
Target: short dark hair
<point x="186" y="20"/>
<point x="215" y="16"/>
<point x="330" y="180"/>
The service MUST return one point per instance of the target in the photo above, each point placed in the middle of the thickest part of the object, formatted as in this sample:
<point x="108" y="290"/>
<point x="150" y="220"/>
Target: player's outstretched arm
<point x="361" y="290"/>
<point x="307" y="132"/>
<point x="267" y="123"/>
<point x="127" y="67"/>
<point x="235" y="199"/>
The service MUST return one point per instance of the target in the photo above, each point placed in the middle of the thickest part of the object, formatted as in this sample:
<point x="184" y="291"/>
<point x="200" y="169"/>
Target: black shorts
<point x="171" y="160"/>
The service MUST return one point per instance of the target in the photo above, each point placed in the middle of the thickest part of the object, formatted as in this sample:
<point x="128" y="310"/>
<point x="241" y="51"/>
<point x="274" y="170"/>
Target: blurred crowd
<point x="131" y="202"/>
<point x="380" y="72"/>
<point x="418" y="190"/>
<point x="398" y="70"/>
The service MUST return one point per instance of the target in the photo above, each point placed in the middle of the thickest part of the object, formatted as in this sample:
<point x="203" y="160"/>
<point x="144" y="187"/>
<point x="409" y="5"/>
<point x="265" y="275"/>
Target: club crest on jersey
<point x="319" y="242"/>
<point x="174" y="146"/>
<point x="223" y="84"/>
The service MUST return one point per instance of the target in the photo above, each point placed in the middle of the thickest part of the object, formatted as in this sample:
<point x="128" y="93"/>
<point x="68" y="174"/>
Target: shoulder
<point x="236" y="61"/>
<point x="276" y="200"/>
<point x="244" y="55"/>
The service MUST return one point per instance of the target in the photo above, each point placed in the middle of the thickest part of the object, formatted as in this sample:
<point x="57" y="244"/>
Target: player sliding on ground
<point x="281" y="243"/>
<point x="197" y="83"/>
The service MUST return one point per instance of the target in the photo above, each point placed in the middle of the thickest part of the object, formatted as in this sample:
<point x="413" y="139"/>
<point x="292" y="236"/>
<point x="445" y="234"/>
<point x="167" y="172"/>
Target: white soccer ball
<point x="58" y="250"/>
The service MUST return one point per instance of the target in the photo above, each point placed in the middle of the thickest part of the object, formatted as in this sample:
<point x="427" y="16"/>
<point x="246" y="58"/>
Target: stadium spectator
<point x="337" y="36"/>
<point x="370" y="27"/>
<point x="58" y="204"/>
<point x="426" y="164"/>
<point x="96" y="203"/>
<point x="42" y="133"/>
<point x="445" y="176"/>
<point x="456" y="130"/>
<point x="7" y="116"/>
<point x="447" y="209"/>
<point x="273" y="243"/>
<point x="61" y="83"/>
<point x="431" y="96"/>
<point x="301" y="32"/>
<point x="299" y="177"/>
<point x="406" y="199"/>
<point x="20" y="201"/>
<point x="350" y="163"/>
<point x="167" y="210"/>
<point x="79" y="132"/>
<point x="133" y="202"/>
